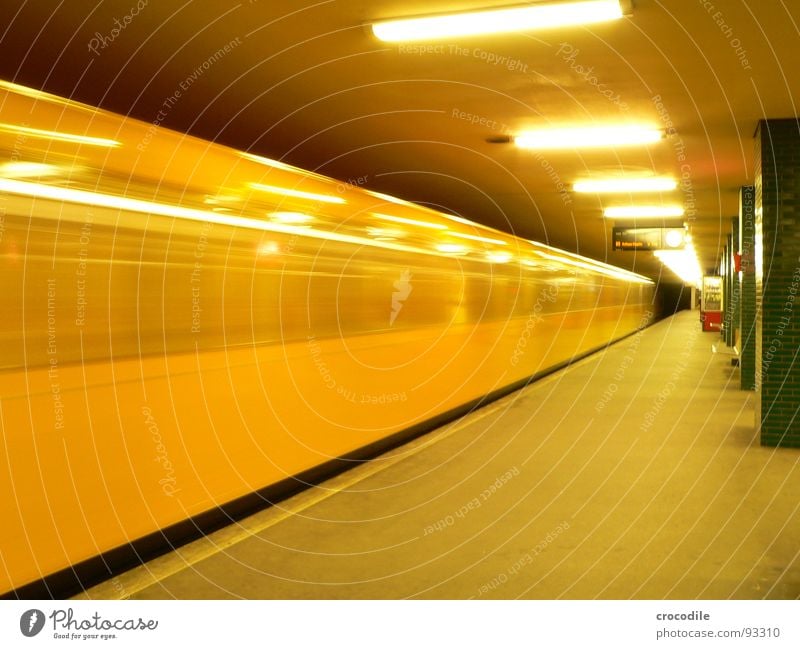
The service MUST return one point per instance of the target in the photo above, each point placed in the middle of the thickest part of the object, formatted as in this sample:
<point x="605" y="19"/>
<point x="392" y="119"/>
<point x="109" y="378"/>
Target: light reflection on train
<point x="185" y="324"/>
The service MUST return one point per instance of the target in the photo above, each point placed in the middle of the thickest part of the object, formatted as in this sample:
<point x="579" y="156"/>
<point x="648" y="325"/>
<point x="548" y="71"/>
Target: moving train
<point x="190" y="332"/>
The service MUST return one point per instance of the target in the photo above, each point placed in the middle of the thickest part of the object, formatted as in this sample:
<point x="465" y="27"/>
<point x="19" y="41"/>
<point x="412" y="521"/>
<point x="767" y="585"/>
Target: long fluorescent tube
<point x="58" y="135"/>
<point x="588" y="137"/>
<point x="294" y="193"/>
<point x="643" y="211"/>
<point x="498" y="21"/>
<point x="683" y="263"/>
<point x="625" y="185"/>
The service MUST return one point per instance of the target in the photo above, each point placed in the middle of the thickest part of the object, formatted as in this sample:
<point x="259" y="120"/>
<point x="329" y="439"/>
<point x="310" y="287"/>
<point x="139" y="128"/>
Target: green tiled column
<point x="747" y="311"/>
<point x="777" y="266"/>
<point x="736" y="294"/>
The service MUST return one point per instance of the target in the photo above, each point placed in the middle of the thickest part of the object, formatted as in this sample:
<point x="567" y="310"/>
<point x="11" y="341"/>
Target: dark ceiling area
<point x="306" y="82"/>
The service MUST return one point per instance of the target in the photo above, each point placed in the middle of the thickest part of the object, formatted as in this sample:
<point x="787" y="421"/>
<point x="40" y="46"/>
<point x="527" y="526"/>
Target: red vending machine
<point x="711" y="303"/>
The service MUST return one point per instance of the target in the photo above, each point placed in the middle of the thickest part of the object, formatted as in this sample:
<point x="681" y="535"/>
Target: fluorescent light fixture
<point x="683" y="263"/>
<point x="401" y="219"/>
<point x="290" y="217"/>
<point x="643" y="211"/>
<point x="498" y="21"/>
<point x="477" y="238"/>
<point x="625" y="185"/>
<point x="588" y="137"/>
<point x="294" y="193"/>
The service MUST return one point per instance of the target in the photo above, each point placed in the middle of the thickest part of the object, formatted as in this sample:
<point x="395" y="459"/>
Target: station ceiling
<point x="306" y="82"/>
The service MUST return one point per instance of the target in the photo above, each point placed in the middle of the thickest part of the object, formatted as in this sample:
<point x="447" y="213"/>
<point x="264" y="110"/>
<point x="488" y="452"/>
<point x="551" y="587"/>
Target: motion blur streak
<point x="161" y="357"/>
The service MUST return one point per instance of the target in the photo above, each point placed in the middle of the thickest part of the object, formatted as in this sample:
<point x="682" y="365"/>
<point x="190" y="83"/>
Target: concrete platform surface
<point x="635" y="473"/>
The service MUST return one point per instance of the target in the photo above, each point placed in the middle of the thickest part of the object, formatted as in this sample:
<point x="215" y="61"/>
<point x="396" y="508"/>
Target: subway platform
<point x="634" y="473"/>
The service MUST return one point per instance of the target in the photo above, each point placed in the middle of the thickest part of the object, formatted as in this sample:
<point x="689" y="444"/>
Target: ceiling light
<point x="643" y="211"/>
<point x="588" y="137"/>
<point x="625" y="185"/>
<point x="294" y="193"/>
<point x="57" y="135"/>
<point x="400" y="219"/>
<point x="683" y="263"/>
<point x="498" y="21"/>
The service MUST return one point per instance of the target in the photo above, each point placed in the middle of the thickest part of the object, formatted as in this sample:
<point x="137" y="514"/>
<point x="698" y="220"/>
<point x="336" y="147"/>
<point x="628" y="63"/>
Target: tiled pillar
<point x="726" y="292"/>
<point x="777" y="265"/>
<point x="736" y="294"/>
<point x="747" y="287"/>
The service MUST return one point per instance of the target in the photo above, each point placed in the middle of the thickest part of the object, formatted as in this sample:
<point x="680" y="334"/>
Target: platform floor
<point x="635" y="473"/>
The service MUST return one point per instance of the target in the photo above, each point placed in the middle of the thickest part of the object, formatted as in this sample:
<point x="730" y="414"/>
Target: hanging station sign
<point x="623" y="238"/>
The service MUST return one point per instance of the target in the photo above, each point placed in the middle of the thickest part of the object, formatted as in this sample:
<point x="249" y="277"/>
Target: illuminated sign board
<point x="647" y="238"/>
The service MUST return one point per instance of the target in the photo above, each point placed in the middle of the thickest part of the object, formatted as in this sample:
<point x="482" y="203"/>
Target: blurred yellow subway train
<point x="189" y="330"/>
